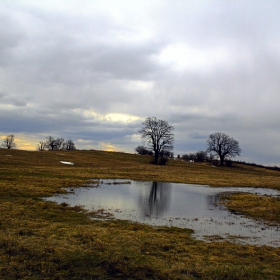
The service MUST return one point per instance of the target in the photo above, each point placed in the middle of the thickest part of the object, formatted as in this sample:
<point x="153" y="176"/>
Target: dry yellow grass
<point x="42" y="240"/>
<point x="258" y="207"/>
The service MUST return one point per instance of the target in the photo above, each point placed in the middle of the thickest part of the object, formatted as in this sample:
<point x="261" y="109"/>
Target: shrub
<point x="163" y="160"/>
<point x="228" y="163"/>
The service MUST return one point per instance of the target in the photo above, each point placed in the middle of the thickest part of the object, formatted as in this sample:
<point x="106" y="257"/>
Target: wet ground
<point x="180" y="205"/>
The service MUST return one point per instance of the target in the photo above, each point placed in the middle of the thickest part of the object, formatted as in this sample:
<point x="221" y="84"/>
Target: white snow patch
<point x="67" y="162"/>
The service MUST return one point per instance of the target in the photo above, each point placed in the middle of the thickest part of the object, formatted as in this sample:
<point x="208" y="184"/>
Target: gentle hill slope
<point x="99" y="164"/>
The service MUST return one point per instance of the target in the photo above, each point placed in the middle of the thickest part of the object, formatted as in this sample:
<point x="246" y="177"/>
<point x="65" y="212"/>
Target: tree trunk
<point x="222" y="159"/>
<point x="156" y="157"/>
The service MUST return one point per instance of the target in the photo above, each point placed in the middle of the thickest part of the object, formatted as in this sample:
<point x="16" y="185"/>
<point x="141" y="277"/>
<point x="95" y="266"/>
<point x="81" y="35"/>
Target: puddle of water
<point x="181" y="205"/>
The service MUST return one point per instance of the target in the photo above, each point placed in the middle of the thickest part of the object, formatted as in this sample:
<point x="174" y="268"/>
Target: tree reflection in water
<point x="157" y="202"/>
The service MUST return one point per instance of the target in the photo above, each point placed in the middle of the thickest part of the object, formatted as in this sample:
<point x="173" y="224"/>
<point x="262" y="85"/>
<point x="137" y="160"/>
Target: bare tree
<point x="51" y="143"/>
<point x="201" y="156"/>
<point x="54" y="144"/>
<point x="223" y="146"/>
<point x="158" y="136"/>
<point x="68" y="145"/>
<point x="59" y="142"/>
<point x="189" y="157"/>
<point x="42" y="145"/>
<point x="9" y="142"/>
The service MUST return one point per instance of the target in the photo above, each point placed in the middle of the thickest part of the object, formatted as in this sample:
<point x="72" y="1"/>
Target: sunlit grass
<point x="43" y="240"/>
<point x="259" y="207"/>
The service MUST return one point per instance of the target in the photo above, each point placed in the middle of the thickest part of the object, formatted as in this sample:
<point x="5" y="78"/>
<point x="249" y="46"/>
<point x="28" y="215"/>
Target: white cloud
<point x="183" y="57"/>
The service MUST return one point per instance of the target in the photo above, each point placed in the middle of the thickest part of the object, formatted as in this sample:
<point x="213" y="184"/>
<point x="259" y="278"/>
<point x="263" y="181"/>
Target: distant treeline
<point x="56" y="144"/>
<point x="258" y="165"/>
<point x="202" y="156"/>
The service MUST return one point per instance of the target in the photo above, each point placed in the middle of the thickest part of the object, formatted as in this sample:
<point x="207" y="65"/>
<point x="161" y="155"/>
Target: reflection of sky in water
<point x="180" y="205"/>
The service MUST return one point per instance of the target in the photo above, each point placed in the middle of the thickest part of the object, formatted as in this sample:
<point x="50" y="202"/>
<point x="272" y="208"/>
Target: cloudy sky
<point x="92" y="71"/>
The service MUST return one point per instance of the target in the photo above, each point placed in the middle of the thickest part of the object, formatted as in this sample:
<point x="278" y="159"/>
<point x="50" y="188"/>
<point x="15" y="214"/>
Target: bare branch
<point x="9" y="142"/>
<point x="158" y="136"/>
<point x="223" y="146"/>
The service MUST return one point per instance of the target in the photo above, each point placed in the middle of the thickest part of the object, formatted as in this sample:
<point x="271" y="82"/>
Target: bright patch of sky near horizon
<point x="92" y="71"/>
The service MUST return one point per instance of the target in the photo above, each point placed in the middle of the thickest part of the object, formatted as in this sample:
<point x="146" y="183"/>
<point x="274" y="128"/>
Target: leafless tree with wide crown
<point x="158" y="136"/>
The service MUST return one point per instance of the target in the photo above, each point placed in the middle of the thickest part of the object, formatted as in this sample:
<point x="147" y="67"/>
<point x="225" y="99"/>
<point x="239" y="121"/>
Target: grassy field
<point x="42" y="240"/>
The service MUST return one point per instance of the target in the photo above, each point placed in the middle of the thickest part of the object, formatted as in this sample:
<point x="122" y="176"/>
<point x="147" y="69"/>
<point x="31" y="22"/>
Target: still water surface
<point x="181" y="205"/>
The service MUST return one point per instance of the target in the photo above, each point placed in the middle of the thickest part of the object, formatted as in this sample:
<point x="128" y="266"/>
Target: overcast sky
<point x="92" y="71"/>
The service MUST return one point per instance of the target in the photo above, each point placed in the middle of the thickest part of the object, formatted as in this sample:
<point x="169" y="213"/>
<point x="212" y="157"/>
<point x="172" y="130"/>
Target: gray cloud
<point x="93" y="72"/>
